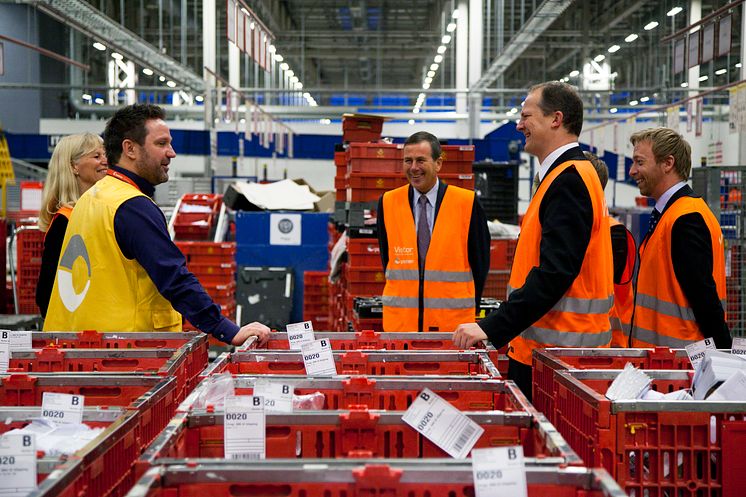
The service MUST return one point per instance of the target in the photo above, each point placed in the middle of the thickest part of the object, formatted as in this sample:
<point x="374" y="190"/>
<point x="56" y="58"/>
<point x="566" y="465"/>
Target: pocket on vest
<point x="168" y="320"/>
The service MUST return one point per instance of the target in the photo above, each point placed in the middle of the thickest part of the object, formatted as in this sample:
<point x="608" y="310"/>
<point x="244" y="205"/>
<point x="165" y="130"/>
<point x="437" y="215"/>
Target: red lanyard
<point x="121" y="177"/>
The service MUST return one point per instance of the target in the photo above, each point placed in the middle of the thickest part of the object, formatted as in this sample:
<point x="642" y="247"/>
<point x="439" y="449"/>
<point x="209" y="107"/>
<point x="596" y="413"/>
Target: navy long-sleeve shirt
<point x="142" y="234"/>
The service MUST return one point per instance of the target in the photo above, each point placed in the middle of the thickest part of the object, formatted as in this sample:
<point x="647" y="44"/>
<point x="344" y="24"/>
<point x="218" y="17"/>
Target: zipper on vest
<point x="421" y="302"/>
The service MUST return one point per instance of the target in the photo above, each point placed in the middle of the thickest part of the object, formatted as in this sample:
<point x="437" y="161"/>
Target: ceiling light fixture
<point x="284" y="66"/>
<point x="451" y="27"/>
<point x="446" y="39"/>
<point x="430" y="74"/>
<point x="171" y="84"/>
<point x="704" y="78"/>
<point x="721" y="72"/>
<point x="278" y="57"/>
<point x="633" y="102"/>
<point x="426" y="86"/>
<point x="99" y="46"/>
<point x="199" y="98"/>
<point x="599" y="57"/>
<point x="99" y="101"/>
<point x="86" y="97"/>
<point x="161" y="78"/>
<point x="738" y="65"/>
<point x="651" y="25"/>
<point x="613" y="110"/>
<point x="631" y="38"/>
<point x="272" y="49"/>
<point x="644" y="99"/>
<point x="411" y="122"/>
<point x="442" y="49"/>
<point x="416" y="110"/>
<point x="438" y="58"/>
<point x="434" y="67"/>
<point x="455" y="14"/>
<point x="684" y="84"/>
<point x="116" y="55"/>
<point x="428" y="80"/>
<point x="147" y="71"/>
<point x="574" y="73"/>
<point x="674" y="11"/>
<point x="613" y="48"/>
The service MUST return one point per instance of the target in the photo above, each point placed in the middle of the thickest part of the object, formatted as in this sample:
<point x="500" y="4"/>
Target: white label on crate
<point x="696" y="351"/>
<point x="278" y="397"/>
<point x="4" y="350"/>
<point x="299" y="334"/>
<point x="318" y="358"/>
<point x="739" y="346"/>
<point x="284" y="229"/>
<point x="499" y="471"/>
<point x="244" y="428"/>
<point x="62" y="408"/>
<point x="20" y="340"/>
<point x="17" y="464"/>
<point x="442" y="424"/>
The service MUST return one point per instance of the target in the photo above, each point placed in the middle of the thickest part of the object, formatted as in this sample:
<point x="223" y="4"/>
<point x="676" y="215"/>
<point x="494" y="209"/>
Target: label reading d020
<point x="318" y="358"/>
<point x="299" y="334"/>
<point x="499" y="471"/>
<point x="17" y="464"/>
<point x="62" y="408"/>
<point x="442" y="424"/>
<point x="244" y="428"/>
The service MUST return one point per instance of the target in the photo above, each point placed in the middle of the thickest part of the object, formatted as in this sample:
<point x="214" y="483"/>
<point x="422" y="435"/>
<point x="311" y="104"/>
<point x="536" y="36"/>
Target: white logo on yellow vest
<point x="70" y="298"/>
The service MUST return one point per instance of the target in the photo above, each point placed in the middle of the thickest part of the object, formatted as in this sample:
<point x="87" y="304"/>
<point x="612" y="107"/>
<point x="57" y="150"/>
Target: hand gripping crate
<point x="371" y="340"/>
<point x="154" y="398"/>
<point x="679" y="448"/>
<point x="547" y="361"/>
<point x="180" y="355"/>
<point x="373" y="362"/>
<point x="351" y="434"/>
<point x="357" y="479"/>
<point x="103" y="467"/>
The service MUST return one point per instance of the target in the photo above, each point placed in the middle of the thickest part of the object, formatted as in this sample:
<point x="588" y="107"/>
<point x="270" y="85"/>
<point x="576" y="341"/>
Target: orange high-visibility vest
<point x="581" y="317"/>
<point x="448" y="293"/>
<point x="624" y="294"/>
<point x="662" y="313"/>
<point x="64" y="211"/>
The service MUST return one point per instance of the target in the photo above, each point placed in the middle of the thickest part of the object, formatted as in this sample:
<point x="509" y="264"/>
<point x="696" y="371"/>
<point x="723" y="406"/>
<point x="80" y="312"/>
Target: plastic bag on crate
<point x="216" y="389"/>
<point x="59" y="439"/>
<point x="309" y="402"/>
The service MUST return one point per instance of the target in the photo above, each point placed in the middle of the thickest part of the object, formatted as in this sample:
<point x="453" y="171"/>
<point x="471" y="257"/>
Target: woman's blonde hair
<point x="61" y="187"/>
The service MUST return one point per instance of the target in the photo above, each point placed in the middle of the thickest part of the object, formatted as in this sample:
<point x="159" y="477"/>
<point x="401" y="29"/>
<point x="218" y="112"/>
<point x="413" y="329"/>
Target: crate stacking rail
<point x="182" y="356"/>
<point x="355" y="431"/>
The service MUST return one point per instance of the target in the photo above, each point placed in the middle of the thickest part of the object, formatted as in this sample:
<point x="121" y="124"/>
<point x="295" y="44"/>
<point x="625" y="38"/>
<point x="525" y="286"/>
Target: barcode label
<point x="499" y="471"/>
<point x="244" y="427"/>
<point x="443" y="424"/>
<point x="246" y="457"/>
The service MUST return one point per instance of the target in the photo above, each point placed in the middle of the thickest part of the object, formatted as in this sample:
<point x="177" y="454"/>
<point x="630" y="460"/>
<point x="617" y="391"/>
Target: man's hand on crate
<point x="252" y="329"/>
<point x="468" y="334"/>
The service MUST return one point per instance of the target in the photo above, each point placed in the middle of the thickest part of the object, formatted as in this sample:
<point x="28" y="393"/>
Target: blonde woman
<point x="78" y="161"/>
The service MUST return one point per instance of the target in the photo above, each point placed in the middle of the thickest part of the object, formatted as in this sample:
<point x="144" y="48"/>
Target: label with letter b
<point x="499" y="471"/>
<point x="318" y="358"/>
<point x="62" y="408"/>
<point x="17" y="464"/>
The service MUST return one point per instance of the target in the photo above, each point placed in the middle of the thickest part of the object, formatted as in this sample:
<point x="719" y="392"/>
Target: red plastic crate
<point x="208" y="252"/>
<point x="364" y="252"/>
<point x="501" y="252"/>
<point x="366" y="362"/>
<point x="496" y="285"/>
<point x="29" y="248"/>
<point x="368" y="187"/>
<point x="115" y="448"/>
<point x="340" y="159"/>
<point x="547" y="361"/>
<point x="364" y="274"/>
<point x="361" y="128"/>
<point x="316" y="279"/>
<point x="358" y="479"/>
<point x="372" y="324"/>
<point x="654" y="448"/>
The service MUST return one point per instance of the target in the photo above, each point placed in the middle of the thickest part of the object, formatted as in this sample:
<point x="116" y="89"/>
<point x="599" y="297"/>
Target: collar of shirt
<point x="660" y="205"/>
<point x="143" y="184"/>
<point x="549" y="160"/>
<point x="432" y="198"/>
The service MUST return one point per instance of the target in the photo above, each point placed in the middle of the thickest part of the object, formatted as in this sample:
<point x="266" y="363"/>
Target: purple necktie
<point x="423" y="230"/>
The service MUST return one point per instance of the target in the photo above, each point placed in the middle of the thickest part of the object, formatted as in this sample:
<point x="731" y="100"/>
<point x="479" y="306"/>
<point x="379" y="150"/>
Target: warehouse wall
<point x="20" y="109"/>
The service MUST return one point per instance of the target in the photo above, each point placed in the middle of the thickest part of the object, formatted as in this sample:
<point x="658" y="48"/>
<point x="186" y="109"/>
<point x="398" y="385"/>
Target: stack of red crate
<point x="214" y="265"/>
<point x="30" y="245"/>
<point x="316" y="299"/>
<point x="364" y="277"/>
<point x="197" y="214"/>
<point x="361" y="128"/>
<point x="502" y="251"/>
<point x="340" y="181"/>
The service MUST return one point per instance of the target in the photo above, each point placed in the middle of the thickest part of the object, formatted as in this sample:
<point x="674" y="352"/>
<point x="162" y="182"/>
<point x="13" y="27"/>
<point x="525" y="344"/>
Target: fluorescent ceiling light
<point x="455" y="14"/>
<point x="614" y="48"/>
<point x="251" y="26"/>
<point x="306" y="95"/>
<point x="684" y="84"/>
<point x="644" y="99"/>
<point x="651" y="25"/>
<point x="294" y="79"/>
<point x="451" y="27"/>
<point x="99" y="101"/>
<point x="199" y="98"/>
<point x="284" y="66"/>
<point x="430" y="74"/>
<point x="116" y="55"/>
<point x="704" y="78"/>
<point x="161" y="78"/>
<point x="613" y="110"/>
<point x="147" y="71"/>
<point x="278" y="57"/>
<point x="738" y="65"/>
<point x="298" y="85"/>
<point x="428" y="80"/>
<point x="272" y="49"/>
<point x="721" y="71"/>
<point x="171" y="84"/>
<point x="599" y="57"/>
<point x="442" y="49"/>
<point x="86" y="97"/>
<point x="411" y="122"/>
<point x="674" y="11"/>
<point x="426" y="86"/>
<point x="99" y="46"/>
<point x="416" y="110"/>
<point x="290" y="73"/>
<point x="633" y="102"/>
<point x="438" y="58"/>
<point x="574" y="73"/>
<point x="446" y="39"/>
<point x="434" y="67"/>
<point x="631" y="38"/>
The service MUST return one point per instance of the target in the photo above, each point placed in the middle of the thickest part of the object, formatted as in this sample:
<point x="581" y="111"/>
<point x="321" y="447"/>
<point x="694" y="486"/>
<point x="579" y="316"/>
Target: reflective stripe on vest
<point x="581" y="316"/>
<point x="567" y="338"/>
<point x="581" y="306"/>
<point x="444" y="276"/>
<point x="666" y="308"/>
<point x="654" y="338"/>
<point x="446" y="293"/>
